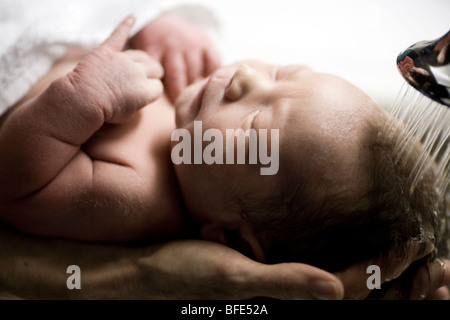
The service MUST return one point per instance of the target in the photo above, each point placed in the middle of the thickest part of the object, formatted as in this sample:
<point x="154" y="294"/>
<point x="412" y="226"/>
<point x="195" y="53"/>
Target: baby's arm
<point x="45" y="177"/>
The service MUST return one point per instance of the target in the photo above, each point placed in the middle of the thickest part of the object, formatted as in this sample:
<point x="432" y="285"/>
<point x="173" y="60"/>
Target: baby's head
<point x="337" y="198"/>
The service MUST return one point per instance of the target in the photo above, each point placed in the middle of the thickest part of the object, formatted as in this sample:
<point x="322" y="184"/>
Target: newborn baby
<point x="90" y="158"/>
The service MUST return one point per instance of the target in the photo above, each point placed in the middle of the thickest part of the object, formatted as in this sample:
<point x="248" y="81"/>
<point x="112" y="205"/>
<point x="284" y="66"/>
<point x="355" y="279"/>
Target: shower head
<point x="426" y="66"/>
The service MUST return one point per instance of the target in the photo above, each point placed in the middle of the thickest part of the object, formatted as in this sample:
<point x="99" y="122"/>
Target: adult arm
<point x="36" y="268"/>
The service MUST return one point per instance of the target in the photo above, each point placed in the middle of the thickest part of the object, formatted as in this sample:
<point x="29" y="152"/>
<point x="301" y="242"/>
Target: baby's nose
<point x="245" y="80"/>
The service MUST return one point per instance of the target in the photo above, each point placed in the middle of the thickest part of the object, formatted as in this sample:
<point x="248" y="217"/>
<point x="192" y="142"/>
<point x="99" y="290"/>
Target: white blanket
<point x="36" y="33"/>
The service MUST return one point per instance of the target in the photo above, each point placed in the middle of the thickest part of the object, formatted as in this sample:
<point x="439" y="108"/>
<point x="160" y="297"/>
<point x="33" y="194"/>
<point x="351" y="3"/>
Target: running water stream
<point x="423" y="121"/>
<point x="422" y="124"/>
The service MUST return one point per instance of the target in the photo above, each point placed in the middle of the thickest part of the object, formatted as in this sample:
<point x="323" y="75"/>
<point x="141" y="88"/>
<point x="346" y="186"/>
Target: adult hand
<point x="35" y="268"/>
<point x="184" y="50"/>
<point x="195" y="269"/>
<point x="428" y="282"/>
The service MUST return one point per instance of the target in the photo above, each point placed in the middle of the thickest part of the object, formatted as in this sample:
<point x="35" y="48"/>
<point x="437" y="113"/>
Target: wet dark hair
<point x="341" y="229"/>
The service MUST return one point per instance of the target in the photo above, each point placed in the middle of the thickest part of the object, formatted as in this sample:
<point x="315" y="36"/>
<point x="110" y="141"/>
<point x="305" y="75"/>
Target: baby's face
<point x="323" y="128"/>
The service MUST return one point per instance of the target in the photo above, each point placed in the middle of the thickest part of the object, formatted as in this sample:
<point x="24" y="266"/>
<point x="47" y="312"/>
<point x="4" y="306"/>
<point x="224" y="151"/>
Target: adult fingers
<point x="195" y="67"/>
<point x="116" y="41"/>
<point x="211" y="61"/>
<point x="428" y="282"/>
<point x="355" y="277"/>
<point x="430" y="278"/>
<point x="440" y="294"/>
<point x="155" y="51"/>
<point x="294" y="281"/>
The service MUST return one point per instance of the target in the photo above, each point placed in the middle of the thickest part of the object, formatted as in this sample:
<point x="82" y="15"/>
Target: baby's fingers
<point x="138" y="95"/>
<point x="119" y="37"/>
<point x="154" y="90"/>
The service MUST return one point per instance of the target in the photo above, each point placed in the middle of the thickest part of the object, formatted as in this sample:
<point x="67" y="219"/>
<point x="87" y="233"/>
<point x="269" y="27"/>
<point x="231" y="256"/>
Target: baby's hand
<point x="184" y="50"/>
<point x="119" y="82"/>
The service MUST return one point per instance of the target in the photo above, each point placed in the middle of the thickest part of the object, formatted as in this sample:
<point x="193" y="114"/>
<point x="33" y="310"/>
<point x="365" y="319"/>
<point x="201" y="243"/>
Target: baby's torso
<point x="144" y="145"/>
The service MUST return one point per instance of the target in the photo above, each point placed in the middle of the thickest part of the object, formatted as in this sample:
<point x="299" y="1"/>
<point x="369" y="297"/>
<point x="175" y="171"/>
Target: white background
<point x="358" y="40"/>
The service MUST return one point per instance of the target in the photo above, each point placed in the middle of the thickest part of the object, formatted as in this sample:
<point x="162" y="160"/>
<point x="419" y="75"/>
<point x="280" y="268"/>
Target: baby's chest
<point x="144" y="145"/>
<point x="143" y="142"/>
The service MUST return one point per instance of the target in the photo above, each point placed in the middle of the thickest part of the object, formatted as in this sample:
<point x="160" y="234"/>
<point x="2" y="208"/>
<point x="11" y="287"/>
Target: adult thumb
<point x="295" y="281"/>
